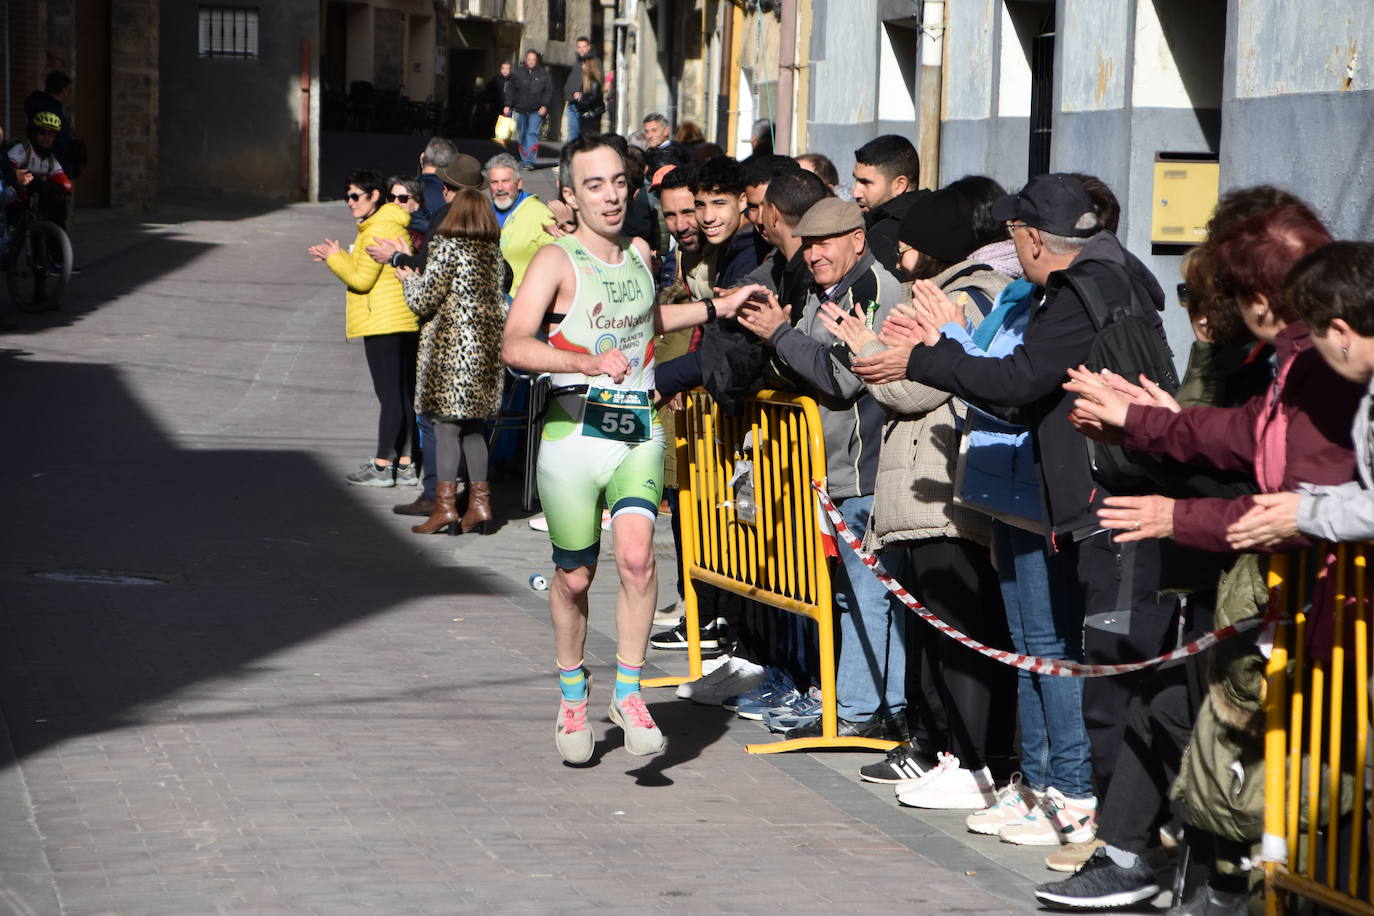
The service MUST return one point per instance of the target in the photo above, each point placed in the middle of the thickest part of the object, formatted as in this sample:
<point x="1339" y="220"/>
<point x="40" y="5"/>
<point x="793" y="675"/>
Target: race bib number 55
<point x="622" y="416"/>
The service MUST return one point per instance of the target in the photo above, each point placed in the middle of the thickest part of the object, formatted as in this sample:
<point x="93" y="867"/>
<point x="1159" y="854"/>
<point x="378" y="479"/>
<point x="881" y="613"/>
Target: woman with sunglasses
<point x="410" y="196"/>
<point x="376" y="311"/>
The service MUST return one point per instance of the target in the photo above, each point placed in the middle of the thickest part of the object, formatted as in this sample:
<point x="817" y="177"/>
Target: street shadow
<point x="235" y="555"/>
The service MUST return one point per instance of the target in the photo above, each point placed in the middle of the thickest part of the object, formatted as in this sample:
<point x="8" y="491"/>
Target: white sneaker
<point x="1015" y="802"/>
<point x="1054" y="822"/>
<point x="538" y="523"/>
<point x="950" y="787"/>
<point x="735" y="677"/>
<point x="670" y="615"/>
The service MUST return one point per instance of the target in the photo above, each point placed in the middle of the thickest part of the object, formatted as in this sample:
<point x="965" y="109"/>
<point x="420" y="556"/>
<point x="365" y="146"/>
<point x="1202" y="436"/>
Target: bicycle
<point x="38" y="261"/>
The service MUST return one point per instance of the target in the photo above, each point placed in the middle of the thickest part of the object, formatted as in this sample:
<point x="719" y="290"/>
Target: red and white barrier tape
<point x="1056" y="667"/>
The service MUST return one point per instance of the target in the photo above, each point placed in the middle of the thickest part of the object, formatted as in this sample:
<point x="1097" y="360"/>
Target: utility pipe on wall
<point x="787" y="74"/>
<point x="932" y="46"/>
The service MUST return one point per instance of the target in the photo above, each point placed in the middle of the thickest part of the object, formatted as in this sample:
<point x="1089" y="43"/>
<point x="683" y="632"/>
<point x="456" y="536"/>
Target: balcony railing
<point x="486" y="9"/>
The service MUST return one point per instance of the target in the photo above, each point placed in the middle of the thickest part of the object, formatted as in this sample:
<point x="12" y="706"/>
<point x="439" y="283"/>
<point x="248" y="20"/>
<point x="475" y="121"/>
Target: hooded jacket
<point x="884" y="223"/>
<point x="375" y="303"/>
<point x="914" y="494"/>
<point x="1030" y="378"/>
<point x="851" y="419"/>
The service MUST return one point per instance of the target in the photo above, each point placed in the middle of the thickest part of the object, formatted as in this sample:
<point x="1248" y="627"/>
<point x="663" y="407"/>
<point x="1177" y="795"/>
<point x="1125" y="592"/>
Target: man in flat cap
<point x="870" y="686"/>
<point x="1082" y="272"/>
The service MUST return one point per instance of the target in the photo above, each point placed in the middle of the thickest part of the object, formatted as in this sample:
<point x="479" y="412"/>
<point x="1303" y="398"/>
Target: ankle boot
<point x="479" y="507"/>
<point x="445" y="514"/>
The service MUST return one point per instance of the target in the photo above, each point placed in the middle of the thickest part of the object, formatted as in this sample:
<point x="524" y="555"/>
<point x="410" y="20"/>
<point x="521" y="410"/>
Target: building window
<point x="229" y="31"/>
<point x="1042" y="97"/>
<point x="558" y="20"/>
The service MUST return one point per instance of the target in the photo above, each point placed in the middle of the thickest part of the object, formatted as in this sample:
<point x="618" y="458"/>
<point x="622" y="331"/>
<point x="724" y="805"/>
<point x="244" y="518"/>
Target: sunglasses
<point x="399" y="198"/>
<point x="354" y="196"/>
<point x="1012" y="227"/>
<point x="1183" y="295"/>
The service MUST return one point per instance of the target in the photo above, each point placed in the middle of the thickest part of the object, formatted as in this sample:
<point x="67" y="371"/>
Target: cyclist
<point x="35" y="160"/>
<point x="594" y="295"/>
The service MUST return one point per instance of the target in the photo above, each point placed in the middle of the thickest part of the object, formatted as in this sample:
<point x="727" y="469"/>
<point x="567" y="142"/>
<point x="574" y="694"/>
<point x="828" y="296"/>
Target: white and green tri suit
<point x="603" y="447"/>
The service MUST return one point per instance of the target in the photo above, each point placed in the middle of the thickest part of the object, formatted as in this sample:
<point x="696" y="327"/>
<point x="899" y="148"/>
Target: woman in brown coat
<point x="458" y="386"/>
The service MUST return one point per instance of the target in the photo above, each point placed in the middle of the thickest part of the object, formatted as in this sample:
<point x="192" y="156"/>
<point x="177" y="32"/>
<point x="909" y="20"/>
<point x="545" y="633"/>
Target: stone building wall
<point x="134" y="31"/>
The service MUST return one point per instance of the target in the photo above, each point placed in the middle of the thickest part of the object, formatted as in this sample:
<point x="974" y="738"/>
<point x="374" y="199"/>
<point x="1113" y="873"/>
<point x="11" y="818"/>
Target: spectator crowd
<point x="1003" y="424"/>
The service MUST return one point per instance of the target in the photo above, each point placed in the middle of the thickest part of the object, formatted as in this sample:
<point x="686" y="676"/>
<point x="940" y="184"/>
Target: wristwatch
<point x="710" y="309"/>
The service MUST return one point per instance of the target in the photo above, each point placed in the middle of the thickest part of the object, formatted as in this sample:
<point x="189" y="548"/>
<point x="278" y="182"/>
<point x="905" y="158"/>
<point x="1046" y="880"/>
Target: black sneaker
<point x="676" y="638"/>
<point x="900" y="764"/>
<point x="1101" y="884"/>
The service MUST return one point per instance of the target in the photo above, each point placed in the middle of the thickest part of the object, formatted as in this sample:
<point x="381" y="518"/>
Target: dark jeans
<point x="955" y="581"/>
<point x="391" y="360"/>
<point x="1158" y="724"/>
<point x="1124" y="620"/>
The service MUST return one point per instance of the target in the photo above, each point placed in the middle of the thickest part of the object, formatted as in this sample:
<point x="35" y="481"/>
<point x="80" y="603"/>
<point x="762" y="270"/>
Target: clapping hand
<point x="850" y="327"/>
<point x="325" y="249"/>
<point x="933" y="308"/>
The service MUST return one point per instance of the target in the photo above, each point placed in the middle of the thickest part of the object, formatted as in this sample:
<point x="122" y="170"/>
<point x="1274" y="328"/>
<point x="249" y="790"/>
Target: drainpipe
<point x="727" y="58"/>
<point x="932" y="62"/>
<point x="787" y="76"/>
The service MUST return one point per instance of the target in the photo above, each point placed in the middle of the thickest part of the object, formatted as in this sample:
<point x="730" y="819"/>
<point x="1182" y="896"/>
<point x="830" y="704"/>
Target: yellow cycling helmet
<point x="47" y="119"/>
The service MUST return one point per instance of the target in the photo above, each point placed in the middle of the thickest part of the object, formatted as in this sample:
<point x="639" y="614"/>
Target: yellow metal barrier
<point x="778" y="559"/>
<point x="1317" y="841"/>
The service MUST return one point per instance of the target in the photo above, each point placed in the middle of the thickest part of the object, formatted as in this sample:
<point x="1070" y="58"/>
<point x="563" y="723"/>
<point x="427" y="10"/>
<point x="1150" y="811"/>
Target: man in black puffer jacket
<point x="529" y="94"/>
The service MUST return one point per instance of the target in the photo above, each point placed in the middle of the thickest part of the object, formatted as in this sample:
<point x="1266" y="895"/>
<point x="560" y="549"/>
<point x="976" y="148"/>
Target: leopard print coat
<point x="459" y="301"/>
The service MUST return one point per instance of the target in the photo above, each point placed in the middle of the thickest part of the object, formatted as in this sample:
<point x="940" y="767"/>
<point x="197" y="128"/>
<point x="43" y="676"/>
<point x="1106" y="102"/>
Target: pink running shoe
<point x="572" y="734"/>
<point x="642" y="736"/>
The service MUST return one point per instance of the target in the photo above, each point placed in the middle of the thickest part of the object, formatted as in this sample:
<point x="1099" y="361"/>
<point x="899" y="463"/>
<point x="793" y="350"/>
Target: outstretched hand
<point x="763" y="318"/>
<point x="1100" y="410"/>
<point x="1273" y="518"/>
<point x="887" y="366"/>
<point x="1138" y="518"/>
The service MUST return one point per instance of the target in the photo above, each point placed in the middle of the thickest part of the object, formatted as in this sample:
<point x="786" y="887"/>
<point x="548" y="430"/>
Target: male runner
<point x="593" y="294"/>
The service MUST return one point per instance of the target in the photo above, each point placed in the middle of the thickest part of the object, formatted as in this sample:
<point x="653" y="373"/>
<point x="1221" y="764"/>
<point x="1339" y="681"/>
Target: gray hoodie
<point x="1345" y="512"/>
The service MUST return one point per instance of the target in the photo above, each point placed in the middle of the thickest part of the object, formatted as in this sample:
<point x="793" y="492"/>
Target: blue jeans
<point x="573" y="120"/>
<point x="871" y="673"/>
<point x="527" y="124"/>
<point x="1045" y="619"/>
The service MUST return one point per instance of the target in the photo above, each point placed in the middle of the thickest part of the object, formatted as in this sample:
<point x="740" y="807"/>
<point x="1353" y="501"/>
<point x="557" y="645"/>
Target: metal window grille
<point x="558" y="20"/>
<point x="229" y="31"/>
<point x="1042" y="97"/>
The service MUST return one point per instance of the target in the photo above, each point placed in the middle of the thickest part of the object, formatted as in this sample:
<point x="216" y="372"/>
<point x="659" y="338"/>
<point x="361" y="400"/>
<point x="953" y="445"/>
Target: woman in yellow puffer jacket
<point x="376" y="311"/>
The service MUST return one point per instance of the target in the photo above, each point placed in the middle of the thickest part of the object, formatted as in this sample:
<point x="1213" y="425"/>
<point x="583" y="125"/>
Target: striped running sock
<point x="573" y="682"/>
<point x="626" y="677"/>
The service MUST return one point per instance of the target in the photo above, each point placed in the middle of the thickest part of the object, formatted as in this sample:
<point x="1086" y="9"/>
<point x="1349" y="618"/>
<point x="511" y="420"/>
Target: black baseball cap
<point x="1055" y="203"/>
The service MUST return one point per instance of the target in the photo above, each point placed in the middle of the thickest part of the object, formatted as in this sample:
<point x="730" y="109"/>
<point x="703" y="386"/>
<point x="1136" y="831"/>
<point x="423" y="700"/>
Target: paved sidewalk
<point x="304" y="708"/>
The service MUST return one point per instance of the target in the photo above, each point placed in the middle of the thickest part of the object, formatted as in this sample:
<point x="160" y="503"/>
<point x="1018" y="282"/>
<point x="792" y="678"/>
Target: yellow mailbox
<point x="1186" y="189"/>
